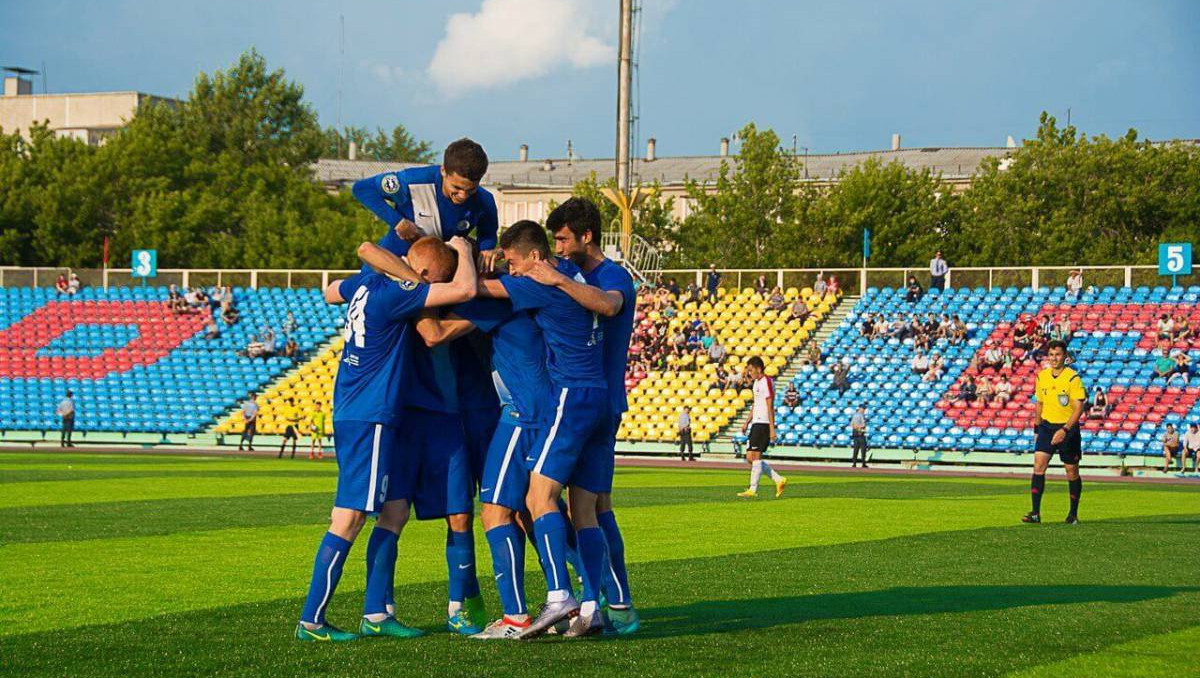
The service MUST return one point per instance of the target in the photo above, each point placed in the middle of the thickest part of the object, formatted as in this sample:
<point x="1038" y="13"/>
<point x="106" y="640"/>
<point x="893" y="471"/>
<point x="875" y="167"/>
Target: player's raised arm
<point x="436" y="330"/>
<point x="463" y="286"/>
<point x="375" y="192"/>
<point x="333" y="293"/>
<point x="386" y="263"/>
<point x="594" y="299"/>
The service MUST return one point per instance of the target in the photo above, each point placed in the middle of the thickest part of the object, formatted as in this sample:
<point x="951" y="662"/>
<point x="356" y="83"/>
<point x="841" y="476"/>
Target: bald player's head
<point x="432" y="259"/>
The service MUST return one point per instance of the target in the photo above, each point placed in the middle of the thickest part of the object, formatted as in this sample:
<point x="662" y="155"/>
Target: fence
<point x="852" y="280"/>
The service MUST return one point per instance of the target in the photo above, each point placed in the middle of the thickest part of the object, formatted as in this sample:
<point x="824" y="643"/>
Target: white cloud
<point x="507" y="41"/>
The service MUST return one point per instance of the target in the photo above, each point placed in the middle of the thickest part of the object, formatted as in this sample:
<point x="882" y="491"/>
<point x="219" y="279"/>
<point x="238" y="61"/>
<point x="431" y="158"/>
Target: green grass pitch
<point x="151" y="565"/>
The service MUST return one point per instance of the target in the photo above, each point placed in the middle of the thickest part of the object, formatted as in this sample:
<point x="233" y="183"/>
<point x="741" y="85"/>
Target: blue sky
<point x="841" y="76"/>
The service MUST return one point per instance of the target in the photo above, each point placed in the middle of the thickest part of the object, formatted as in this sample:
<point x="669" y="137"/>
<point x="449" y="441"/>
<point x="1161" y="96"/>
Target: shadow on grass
<point x="716" y="616"/>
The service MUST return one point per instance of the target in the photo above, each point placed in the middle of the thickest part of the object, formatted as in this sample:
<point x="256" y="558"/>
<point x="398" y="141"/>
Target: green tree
<point x="398" y="146"/>
<point x="652" y="219"/>
<point x="749" y="217"/>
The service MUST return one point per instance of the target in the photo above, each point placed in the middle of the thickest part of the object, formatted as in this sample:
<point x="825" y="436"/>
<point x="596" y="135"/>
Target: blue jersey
<point x="610" y="276"/>
<point x="378" y="347"/>
<point x="416" y="194"/>
<point x="572" y="333"/>
<point x="518" y="357"/>
<point x="472" y="359"/>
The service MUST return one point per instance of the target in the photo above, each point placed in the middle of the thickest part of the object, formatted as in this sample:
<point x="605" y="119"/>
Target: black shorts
<point x="289" y="432"/>
<point x="1069" y="452"/>
<point x="760" y="438"/>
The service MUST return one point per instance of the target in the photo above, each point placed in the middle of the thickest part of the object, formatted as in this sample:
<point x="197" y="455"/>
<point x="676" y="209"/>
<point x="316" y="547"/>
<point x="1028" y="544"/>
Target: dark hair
<point x="525" y="236"/>
<point x="466" y="159"/>
<point x="1056" y="343"/>
<point x="578" y="214"/>
<point x="756" y="361"/>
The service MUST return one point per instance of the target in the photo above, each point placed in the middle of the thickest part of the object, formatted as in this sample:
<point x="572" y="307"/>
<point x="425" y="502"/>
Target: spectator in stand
<point x="1023" y="333"/>
<point x="914" y="291"/>
<point x="994" y="358"/>
<point x="791" y="397"/>
<point x="216" y="298"/>
<point x="1170" y="446"/>
<point x="799" y="311"/>
<point x="66" y="414"/>
<point x="673" y="287"/>
<point x="291" y="416"/>
<point x="937" y="367"/>
<point x="289" y="324"/>
<point x="1180" y="330"/>
<point x="734" y="379"/>
<point x="1046" y="327"/>
<point x="1191" y="445"/>
<point x="684" y="427"/>
<point x="841" y="375"/>
<point x="819" y="286"/>
<point x="1061" y="330"/>
<point x="919" y="363"/>
<point x="211" y="330"/>
<point x="175" y="301"/>
<point x="814" y="353"/>
<point x="254" y="348"/>
<point x="692" y="295"/>
<point x="196" y="299"/>
<point x="938" y="268"/>
<point x="1166" y="327"/>
<point x="229" y="312"/>
<point x="968" y="391"/>
<point x="1075" y="284"/>
<point x="291" y="349"/>
<point x="1099" y="408"/>
<point x="1164" y="365"/>
<point x="760" y="285"/>
<point x="1004" y="390"/>
<point x="61" y="284"/>
<point x="985" y="390"/>
<point x="250" y="423"/>
<point x="777" y="302"/>
<point x="1183" y="368"/>
<point x="713" y="281"/>
<point x="716" y="352"/>
<point x="74" y="285"/>
<point x="858" y="436"/>
<point x="866" y="328"/>
<point x="268" y="344"/>
<point x="832" y="289"/>
<point x="882" y="327"/>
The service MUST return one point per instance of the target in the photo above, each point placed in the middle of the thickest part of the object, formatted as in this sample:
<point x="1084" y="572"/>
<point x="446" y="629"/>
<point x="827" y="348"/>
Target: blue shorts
<point x="505" y="478"/>
<point x="479" y="426"/>
<point x="573" y="452"/>
<point x="443" y="482"/>
<point x="372" y="466"/>
<point x="602" y="447"/>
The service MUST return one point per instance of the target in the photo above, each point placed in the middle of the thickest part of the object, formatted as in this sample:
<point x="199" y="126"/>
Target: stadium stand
<point x="1114" y="342"/>
<point x="133" y="364"/>
<point x="744" y="324"/>
<point x="311" y="387"/>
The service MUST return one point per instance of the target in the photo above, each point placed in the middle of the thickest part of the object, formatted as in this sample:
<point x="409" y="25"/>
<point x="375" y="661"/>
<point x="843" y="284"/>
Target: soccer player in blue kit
<point x="375" y="475"/>
<point x="608" y="291"/>
<point x="453" y="408"/>
<point x="523" y="383"/>
<point x="580" y="398"/>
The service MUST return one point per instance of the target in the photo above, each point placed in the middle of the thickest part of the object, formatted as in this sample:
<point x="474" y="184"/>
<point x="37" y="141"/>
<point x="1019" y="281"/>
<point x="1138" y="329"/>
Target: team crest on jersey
<point x="390" y="184"/>
<point x="464" y="226"/>
<point x="407" y="285"/>
<point x="1063" y="399"/>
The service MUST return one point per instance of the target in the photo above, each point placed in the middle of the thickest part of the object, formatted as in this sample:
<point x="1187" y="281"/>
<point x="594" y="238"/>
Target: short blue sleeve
<point x="349" y="286"/>
<point x="526" y="294"/>
<point x="400" y="300"/>
<point x="484" y="313"/>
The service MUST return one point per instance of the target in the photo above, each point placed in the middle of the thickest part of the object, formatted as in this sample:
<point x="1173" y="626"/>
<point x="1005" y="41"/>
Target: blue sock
<point x="381" y="570"/>
<point x="616" y="584"/>
<point x="327" y="570"/>
<point x="591" y="551"/>
<point x="551" y="533"/>
<point x="460" y="561"/>
<point x="572" y="546"/>
<point x="508" y="562"/>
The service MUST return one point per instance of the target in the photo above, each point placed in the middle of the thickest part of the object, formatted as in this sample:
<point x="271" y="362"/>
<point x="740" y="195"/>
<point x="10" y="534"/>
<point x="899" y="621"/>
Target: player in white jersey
<point x="762" y="429"/>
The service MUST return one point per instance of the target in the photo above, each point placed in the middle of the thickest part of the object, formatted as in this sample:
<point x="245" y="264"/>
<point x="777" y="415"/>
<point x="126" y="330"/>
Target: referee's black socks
<point x="1036" y="488"/>
<point x="1075" y="487"/>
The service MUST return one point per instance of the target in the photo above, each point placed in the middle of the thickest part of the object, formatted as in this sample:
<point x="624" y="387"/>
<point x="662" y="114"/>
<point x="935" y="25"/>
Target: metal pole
<point x="624" y="86"/>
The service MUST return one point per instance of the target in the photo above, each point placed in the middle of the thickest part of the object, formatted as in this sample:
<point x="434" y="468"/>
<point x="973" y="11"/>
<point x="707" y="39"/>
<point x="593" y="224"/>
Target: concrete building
<point x="89" y="117"/>
<point x="525" y="188"/>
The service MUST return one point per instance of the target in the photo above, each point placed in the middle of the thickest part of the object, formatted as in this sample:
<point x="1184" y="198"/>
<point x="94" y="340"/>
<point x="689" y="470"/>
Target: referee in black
<point x="858" y="436"/>
<point x="685" y="434"/>
<point x="1060" y="397"/>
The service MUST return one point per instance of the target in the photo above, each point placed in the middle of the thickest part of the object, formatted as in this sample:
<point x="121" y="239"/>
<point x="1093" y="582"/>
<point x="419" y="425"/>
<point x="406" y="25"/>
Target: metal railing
<point x="645" y="258"/>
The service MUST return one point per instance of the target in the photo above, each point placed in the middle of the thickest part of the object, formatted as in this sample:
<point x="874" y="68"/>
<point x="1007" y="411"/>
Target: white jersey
<point x="764" y="400"/>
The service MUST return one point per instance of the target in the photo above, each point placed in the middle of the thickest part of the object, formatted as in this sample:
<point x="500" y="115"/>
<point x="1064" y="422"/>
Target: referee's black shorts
<point x="760" y="438"/>
<point x="1070" y="451"/>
